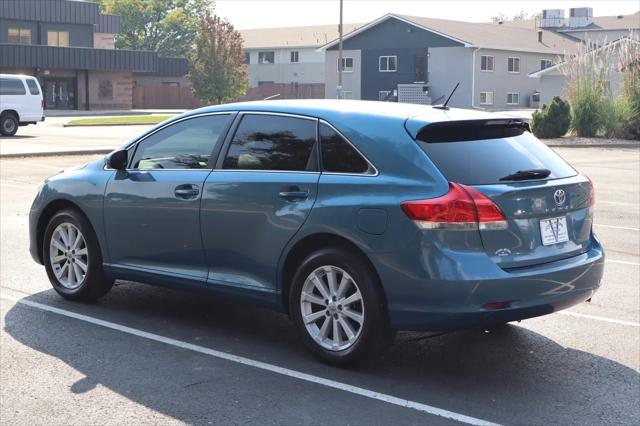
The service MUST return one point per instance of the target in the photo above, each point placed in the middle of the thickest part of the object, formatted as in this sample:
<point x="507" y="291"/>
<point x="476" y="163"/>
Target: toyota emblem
<point x="559" y="197"/>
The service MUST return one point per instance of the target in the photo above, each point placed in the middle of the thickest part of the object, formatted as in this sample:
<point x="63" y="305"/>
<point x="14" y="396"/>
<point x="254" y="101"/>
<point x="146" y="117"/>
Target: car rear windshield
<point x="485" y="152"/>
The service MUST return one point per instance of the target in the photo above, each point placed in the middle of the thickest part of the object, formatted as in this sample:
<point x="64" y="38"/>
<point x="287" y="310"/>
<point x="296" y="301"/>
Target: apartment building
<point x="70" y="47"/>
<point x="288" y="55"/>
<point x="418" y="59"/>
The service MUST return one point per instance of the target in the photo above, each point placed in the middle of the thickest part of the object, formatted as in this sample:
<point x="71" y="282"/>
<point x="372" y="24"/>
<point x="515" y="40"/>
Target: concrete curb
<point x="55" y="153"/>
<point x="110" y="124"/>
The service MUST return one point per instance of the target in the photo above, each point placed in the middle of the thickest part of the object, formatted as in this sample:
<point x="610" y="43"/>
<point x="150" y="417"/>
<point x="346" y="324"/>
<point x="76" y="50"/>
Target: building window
<point x="513" y="65"/>
<point x="387" y="63"/>
<point x="105" y="90"/>
<point x="295" y="56"/>
<point x="19" y="36"/>
<point x="58" y="38"/>
<point x="486" y="98"/>
<point x="347" y="64"/>
<point x="247" y="58"/>
<point x="347" y="94"/>
<point x="513" y="98"/>
<point x="266" y="57"/>
<point x="545" y="63"/>
<point x="486" y="63"/>
<point x="383" y="95"/>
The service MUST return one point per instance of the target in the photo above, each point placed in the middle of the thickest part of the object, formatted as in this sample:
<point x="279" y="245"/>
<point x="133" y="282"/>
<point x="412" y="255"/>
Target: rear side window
<point x="477" y="153"/>
<point x="187" y="144"/>
<point x="33" y="87"/>
<point x="11" y="86"/>
<point x="272" y="142"/>
<point x="338" y="155"/>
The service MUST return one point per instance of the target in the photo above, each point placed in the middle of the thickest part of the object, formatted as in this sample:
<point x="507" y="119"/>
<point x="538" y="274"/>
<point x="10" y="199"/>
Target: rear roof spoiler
<point x="465" y="130"/>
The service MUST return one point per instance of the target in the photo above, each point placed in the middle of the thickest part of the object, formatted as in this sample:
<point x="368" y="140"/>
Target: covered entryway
<point x="60" y="92"/>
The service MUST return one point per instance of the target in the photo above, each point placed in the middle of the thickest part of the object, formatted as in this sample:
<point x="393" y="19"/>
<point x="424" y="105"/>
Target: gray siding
<point x="5" y="24"/>
<point x="448" y="66"/>
<point x="79" y="35"/>
<point x="350" y="80"/>
<point x="108" y="24"/>
<point x="77" y="58"/>
<point x="392" y="37"/>
<point x="50" y="11"/>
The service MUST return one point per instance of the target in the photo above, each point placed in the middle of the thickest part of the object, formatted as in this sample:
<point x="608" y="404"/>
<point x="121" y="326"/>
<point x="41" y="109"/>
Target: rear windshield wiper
<point x="528" y="174"/>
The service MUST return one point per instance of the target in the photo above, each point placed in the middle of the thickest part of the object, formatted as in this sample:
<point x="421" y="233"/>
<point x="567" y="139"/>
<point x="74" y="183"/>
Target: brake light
<point x="461" y="208"/>
<point x="592" y="193"/>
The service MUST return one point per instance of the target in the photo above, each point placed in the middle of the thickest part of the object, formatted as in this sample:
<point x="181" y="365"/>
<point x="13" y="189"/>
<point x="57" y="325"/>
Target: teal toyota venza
<point x="355" y="218"/>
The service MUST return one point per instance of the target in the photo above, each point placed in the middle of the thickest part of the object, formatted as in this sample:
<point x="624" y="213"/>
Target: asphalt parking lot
<point x="146" y="355"/>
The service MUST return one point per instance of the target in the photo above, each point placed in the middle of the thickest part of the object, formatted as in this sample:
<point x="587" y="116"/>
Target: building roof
<point x="620" y="22"/>
<point x="310" y="36"/>
<point x="485" y="35"/>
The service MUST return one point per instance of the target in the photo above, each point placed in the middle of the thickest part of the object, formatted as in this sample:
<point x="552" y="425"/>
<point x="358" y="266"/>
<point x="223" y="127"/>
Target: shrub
<point x="587" y="111"/>
<point x="553" y="120"/>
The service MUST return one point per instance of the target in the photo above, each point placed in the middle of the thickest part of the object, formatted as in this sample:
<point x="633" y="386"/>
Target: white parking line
<point x="616" y="227"/>
<point x="597" y="318"/>
<point x="258" y="364"/>
<point x="623" y="262"/>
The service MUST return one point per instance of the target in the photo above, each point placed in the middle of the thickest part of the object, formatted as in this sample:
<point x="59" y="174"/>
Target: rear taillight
<point x="461" y="208"/>
<point x="592" y="193"/>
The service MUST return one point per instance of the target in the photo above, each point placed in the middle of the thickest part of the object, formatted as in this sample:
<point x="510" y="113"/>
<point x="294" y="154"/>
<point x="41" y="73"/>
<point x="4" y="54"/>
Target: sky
<point x="282" y="13"/>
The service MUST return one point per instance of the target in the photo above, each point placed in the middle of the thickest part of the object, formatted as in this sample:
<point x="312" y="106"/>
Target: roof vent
<point x="552" y="18"/>
<point x="580" y="17"/>
<point x="540" y="36"/>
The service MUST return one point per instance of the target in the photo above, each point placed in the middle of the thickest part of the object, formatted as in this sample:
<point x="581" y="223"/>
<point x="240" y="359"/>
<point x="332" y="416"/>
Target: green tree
<point x="553" y="120"/>
<point x="217" y="70"/>
<point x="165" y="26"/>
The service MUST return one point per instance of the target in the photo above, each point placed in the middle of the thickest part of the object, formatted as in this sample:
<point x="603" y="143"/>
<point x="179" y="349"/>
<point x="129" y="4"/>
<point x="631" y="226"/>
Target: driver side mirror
<point x="118" y="159"/>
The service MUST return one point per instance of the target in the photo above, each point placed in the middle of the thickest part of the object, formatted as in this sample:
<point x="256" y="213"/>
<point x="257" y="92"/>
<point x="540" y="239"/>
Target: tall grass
<point x="598" y="106"/>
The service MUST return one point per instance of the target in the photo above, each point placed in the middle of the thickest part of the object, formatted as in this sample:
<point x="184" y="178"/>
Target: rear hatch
<point x="546" y="203"/>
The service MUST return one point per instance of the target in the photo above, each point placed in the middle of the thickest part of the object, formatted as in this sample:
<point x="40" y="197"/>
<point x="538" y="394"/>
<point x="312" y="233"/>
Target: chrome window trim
<point x="134" y="144"/>
<point x="374" y="168"/>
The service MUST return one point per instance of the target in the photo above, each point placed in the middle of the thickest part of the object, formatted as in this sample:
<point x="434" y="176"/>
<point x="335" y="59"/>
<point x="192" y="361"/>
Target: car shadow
<point x="511" y="374"/>
<point x="8" y="138"/>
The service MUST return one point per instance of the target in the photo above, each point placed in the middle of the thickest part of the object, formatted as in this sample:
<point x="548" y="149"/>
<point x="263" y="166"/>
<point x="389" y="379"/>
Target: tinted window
<point x="187" y="144"/>
<point x="11" y="86"/>
<point x="272" y="142"/>
<point x="493" y="154"/>
<point x="33" y="87"/>
<point x="338" y="155"/>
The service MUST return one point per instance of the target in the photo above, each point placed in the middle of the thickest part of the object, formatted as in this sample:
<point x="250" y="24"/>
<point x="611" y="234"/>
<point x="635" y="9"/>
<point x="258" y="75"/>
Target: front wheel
<point x="337" y="307"/>
<point x="73" y="259"/>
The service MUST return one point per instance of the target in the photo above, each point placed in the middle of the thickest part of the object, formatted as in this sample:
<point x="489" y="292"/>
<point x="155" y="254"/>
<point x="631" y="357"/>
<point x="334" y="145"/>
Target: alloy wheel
<point x="68" y="255"/>
<point x="332" y="308"/>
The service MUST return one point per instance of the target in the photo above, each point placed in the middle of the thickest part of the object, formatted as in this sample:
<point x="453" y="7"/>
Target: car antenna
<point x="444" y="105"/>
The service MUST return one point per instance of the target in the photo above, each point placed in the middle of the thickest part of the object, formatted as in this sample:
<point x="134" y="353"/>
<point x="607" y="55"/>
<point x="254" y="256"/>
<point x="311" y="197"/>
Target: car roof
<point x="16" y="76"/>
<point x="340" y="109"/>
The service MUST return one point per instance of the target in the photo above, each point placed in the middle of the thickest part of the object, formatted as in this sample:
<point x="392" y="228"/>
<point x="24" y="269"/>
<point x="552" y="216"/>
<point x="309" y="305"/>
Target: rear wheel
<point x="337" y="307"/>
<point x="8" y="124"/>
<point x="73" y="259"/>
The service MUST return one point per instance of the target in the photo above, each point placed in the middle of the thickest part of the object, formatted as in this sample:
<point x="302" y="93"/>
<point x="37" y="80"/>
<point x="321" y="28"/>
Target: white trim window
<point x="383" y="94"/>
<point x="267" y="58"/>
<point x="387" y="63"/>
<point x="545" y="63"/>
<point x="346" y="94"/>
<point x="513" y="98"/>
<point x="294" y="57"/>
<point x="486" y="98"/>
<point x="513" y="65"/>
<point x="347" y="64"/>
<point x="486" y="63"/>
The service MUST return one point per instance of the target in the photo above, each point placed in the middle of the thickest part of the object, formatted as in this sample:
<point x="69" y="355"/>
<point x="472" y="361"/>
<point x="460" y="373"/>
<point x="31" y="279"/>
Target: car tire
<point x="329" y="306"/>
<point x="73" y="259"/>
<point x="8" y="124"/>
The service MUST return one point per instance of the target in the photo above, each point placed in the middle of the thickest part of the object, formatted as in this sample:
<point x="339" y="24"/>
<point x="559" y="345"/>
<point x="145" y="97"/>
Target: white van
<point x="21" y="102"/>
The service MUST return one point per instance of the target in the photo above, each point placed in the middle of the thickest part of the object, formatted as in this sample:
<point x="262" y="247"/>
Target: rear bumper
<point x="439" y="305"/>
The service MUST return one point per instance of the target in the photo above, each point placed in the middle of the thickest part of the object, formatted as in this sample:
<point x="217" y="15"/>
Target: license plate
<point x="554" y="230"/>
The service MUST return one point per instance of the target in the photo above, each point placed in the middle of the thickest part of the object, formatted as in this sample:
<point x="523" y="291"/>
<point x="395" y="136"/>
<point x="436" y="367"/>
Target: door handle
<point x="294" y="194"/>
<point x="186" y="191"/>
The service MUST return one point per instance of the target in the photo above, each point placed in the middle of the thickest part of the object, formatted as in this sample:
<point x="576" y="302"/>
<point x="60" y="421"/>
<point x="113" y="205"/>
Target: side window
<point x="338" y="155"/>
<point x="33" y="86"/>
<point x="187" y="144"/>
<point x="272" y="142"/>
<point x="12" y="86"/>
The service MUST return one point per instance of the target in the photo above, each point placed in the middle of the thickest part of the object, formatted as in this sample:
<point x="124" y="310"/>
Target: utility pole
<point x="339" y="88"/>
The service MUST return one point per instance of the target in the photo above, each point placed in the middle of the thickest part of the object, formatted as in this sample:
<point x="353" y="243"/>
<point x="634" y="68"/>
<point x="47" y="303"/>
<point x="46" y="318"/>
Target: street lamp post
<point x="339" y="88"/>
